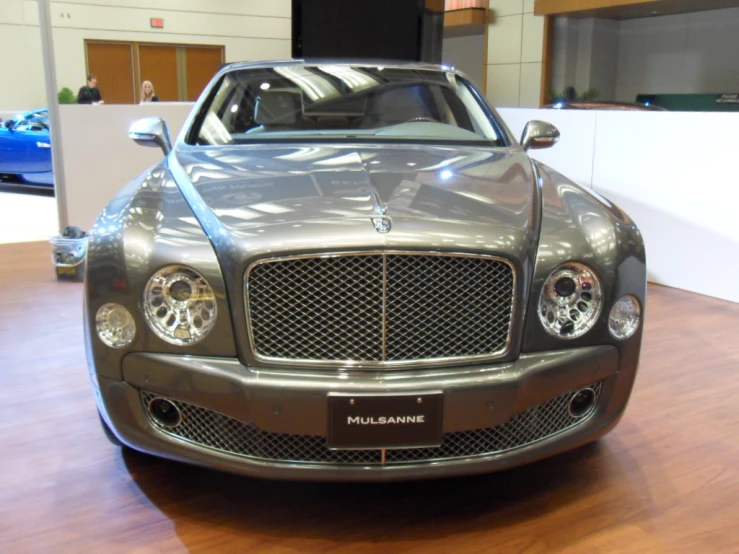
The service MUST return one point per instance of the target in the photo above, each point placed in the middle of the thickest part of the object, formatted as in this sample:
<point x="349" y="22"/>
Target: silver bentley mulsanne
<point x="353" y="271"/>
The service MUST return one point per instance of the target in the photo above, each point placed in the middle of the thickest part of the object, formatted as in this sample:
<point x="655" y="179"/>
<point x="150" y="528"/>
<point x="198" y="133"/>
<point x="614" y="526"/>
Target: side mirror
<point x="151" y="131"/>
<point x="9" y="124"/>
<point x="539" y="134"/>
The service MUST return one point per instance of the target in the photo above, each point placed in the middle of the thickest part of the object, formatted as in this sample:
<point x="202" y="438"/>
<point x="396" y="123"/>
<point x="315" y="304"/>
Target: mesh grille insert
<point x="217" y="431"/>
<point x="380" y="308"/>
<point x="443" y="306"/>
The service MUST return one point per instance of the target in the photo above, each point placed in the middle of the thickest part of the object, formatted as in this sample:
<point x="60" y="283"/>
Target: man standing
<point x="89" y="94"/>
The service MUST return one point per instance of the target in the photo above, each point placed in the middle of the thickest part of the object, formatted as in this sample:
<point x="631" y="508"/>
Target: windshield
<point x="321" y="102"/>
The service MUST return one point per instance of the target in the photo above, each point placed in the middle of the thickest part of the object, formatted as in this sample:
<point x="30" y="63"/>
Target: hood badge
<point x="382" y="224"/>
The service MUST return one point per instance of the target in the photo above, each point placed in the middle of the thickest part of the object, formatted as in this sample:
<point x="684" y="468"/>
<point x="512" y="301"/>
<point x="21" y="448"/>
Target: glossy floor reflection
<point x="666" y="480"/>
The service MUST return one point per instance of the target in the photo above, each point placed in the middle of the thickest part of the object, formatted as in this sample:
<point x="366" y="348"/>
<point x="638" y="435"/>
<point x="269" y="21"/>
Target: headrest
<point x="279" y="107"/>
<point x="399" y="104"/>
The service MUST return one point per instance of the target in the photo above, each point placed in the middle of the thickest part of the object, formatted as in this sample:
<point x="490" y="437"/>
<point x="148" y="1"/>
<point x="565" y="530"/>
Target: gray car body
<point x="196" y="207"/>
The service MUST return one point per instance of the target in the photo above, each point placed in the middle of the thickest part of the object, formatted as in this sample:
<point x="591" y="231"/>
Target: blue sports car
<point x="25" y="148"/>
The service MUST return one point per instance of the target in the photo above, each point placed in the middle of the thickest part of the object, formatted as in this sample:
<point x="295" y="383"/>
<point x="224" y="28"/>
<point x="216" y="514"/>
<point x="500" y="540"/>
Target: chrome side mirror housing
<point x="151" y="131"/>
<point x="539" y="134"/>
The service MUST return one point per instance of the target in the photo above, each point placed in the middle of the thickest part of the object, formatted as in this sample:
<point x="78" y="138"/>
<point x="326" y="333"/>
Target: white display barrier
<point x="672" y="173"/>
<point x="100" y="159"/>
<point x="573" y="154"/>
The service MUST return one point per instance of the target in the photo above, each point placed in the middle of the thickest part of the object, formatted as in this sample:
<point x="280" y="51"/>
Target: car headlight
<point x="624" y="318"/>
<point x="571" y="301"/>
<point x="179" y="305"/>
<point x="115" y="325"/>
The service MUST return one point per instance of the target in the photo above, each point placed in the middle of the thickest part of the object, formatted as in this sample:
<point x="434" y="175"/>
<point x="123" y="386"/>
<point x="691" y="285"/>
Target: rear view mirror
<point x="539" y="134"/>
<point x="151" y="131"/>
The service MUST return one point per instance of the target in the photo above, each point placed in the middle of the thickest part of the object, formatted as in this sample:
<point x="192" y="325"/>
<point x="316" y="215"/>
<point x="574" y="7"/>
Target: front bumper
<point x="271" y="423"/>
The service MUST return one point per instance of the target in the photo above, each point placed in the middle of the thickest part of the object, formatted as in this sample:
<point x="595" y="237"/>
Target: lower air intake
<point x="219" y="432"/>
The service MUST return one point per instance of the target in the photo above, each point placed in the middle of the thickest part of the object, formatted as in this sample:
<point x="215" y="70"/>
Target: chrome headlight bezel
<point x="179" y="305"/>
<point x="571" y="301"/>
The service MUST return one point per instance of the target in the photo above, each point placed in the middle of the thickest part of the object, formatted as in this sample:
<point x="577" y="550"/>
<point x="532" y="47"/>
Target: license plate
<point x="358" y="421"/>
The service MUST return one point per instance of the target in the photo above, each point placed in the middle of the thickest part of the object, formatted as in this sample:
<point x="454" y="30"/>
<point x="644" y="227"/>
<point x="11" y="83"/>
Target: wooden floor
<point x="666" y="480"/>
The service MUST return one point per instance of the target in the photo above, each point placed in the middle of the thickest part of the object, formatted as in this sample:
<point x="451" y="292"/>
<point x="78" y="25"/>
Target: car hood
<point x="275" y="199"/>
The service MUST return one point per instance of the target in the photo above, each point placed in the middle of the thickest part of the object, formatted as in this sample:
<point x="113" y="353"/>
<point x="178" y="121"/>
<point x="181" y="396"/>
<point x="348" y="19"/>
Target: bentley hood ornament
<point x="382" y="224"/>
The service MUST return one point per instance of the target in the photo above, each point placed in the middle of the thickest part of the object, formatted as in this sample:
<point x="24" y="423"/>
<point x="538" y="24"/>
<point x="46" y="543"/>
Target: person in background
<point x="147" y="92"/>
<point x="89" y="94"/>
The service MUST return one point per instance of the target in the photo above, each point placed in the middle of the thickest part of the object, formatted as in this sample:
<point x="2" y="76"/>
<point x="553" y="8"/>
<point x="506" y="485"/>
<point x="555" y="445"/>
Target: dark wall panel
<point x="362" y="29"/>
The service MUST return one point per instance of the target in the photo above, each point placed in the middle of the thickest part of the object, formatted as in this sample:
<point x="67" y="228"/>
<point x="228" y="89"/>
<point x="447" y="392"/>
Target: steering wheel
<point x="422" y="118"/>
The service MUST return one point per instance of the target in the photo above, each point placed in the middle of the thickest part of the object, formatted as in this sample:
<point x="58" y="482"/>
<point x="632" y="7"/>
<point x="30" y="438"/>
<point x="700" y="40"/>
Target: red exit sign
<point x="157" y="22"/>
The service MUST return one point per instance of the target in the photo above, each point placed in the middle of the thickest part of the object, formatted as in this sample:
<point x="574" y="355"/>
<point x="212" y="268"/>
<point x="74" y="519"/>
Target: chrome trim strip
<point x="369" y="364"/>
<point x="384" y="308"/>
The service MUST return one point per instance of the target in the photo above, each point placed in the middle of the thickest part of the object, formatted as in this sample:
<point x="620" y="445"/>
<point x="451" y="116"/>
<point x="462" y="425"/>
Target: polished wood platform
<point x="665" y="480"/>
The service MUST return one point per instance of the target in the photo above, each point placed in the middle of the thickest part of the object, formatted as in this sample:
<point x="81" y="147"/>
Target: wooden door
<point x="158" y="64"/>
<point x="201" y="64"/>
<point x="112" y="63"/>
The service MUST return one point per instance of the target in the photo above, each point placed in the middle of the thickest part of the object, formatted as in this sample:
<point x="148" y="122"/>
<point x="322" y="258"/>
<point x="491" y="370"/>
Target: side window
<point x="33" y="124"/>
<point x="29" y="126"/>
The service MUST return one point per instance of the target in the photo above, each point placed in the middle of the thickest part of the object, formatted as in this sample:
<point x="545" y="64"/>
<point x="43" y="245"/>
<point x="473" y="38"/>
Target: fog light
<point x="164" y="412"/>
<point x="625" y="316"/>
<point x="115" y="325"/>
<point x="582" y="401"/>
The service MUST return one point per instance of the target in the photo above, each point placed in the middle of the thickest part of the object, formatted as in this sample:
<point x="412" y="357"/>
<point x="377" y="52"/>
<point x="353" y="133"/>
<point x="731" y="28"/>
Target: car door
<point x="33" y="137"/>
<point x="10" y="158"/>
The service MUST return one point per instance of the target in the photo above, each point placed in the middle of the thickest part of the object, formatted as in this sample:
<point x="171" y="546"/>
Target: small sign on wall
<point x="727" y="99"/>
<point x="157" y="22"/>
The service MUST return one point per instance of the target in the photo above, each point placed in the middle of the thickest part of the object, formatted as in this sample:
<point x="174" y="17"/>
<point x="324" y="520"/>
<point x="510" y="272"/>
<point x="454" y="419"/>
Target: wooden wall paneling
<point x="465" y="17"/>
<point x="182" y="72"/>
<point x="112" y="63"/>
<point x="158" y="64"/>
<point x="547" y="59"/>
<point x="136" y="73"/>
<point x="451" y="5"/>
<point x="547" y="7"/>
<point x="201" y="64"/>
<point x="627" y="9"/>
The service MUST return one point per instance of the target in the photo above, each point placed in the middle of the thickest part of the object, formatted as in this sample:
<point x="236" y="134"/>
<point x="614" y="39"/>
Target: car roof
<point x="395" y="64"/>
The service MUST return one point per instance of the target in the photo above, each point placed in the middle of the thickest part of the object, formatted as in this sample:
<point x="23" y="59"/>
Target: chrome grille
<point x="380" y="308"/>
<point x="217" y="431"/>
<point x="318" y="308"/>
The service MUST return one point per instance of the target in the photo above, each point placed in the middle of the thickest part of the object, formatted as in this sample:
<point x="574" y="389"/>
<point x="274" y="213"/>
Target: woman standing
<point x="147" y="92"/>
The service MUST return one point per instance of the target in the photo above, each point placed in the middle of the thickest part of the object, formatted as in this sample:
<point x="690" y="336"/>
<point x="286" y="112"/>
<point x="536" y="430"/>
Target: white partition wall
<point x="672" y="173"/>
<point x="573" y="155"/>
<point x="99" y="158"/>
